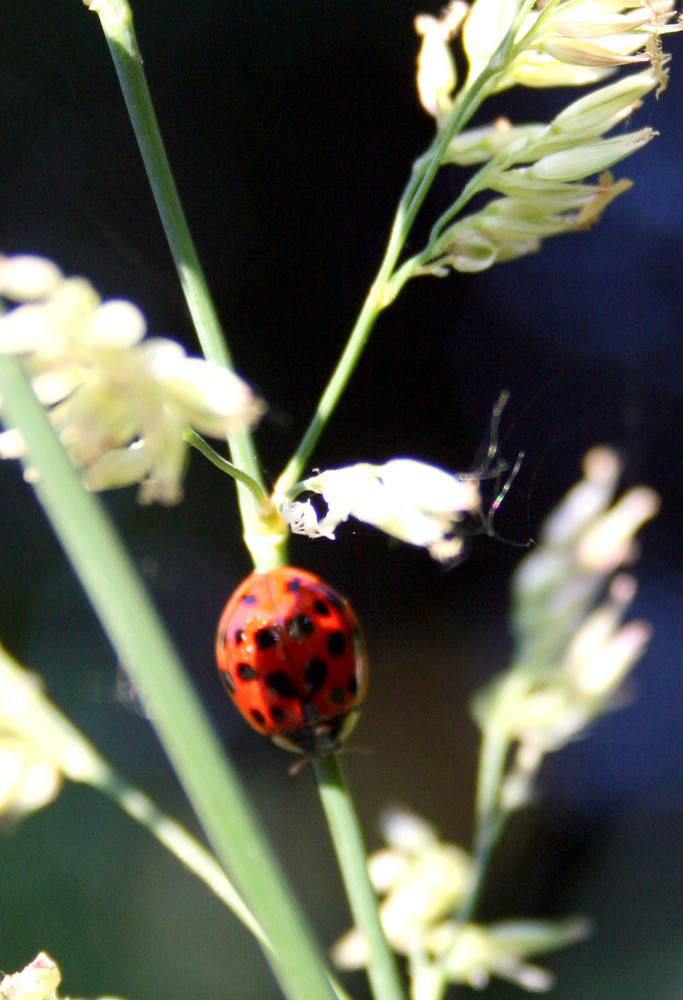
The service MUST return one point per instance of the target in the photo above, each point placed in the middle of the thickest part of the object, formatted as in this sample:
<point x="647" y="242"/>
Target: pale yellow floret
<point x="120" y="401"/>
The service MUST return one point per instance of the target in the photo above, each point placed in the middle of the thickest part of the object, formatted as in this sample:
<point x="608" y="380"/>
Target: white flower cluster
<point x="38" y="747"/>
<point x="423" y="880"/>
<point x="410" y="500"/>
<point x="559" y="43"/>
<point x="37" y="981"/>
<point x="538" y="171"/>
<point x="566" y="42"/>
<point x="120" y="403"/>
<point x="572" y="656"/>
<point x="29" y="778"/>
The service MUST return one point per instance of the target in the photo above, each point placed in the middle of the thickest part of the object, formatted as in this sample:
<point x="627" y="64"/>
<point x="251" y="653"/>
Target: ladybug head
<point x="320" y="737"/>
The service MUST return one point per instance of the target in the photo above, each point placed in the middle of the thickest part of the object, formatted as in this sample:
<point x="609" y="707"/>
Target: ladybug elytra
<point x="292" y="657"/>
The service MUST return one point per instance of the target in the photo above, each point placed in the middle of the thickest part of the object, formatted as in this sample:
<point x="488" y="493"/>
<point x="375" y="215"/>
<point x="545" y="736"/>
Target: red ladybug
<point x="291" y="654"/>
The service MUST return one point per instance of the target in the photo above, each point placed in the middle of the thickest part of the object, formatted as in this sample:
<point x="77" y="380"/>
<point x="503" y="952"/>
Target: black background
<point x="291" y="130"/>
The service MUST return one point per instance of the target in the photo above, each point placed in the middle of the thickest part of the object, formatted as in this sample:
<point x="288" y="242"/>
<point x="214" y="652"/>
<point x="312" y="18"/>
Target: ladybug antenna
<point x="494" y="467"/>
<point x="494" y="442"/>
<point x="500" y="496"/>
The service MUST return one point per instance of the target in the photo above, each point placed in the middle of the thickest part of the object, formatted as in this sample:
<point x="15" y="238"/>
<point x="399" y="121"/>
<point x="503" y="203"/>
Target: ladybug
<point x="291" y="654"/>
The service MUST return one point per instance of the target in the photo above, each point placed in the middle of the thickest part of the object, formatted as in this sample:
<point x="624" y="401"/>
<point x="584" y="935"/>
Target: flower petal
<point x="118" y="323"/>
<point x="24" y="277"/>
<point x="413" y="501"/>
<point x="212" y="399"/>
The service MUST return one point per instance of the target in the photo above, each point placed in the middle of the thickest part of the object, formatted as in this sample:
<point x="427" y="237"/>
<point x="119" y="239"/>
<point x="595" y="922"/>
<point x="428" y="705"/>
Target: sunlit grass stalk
<point x="133" y="627"/>
<point x="117" y="23"/>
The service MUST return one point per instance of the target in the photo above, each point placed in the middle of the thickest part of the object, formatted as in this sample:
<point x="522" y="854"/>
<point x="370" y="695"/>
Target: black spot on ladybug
<point x="294" y="585"/>
<point x="239" y="636"/>
<point x="280" y="683"/>
<point x="315" y="673"/>
<point x="228" y="681"/>
<point x="277" y="715"/>
<point x="246" y="672"/>
<point x="321" y="608"/>
<point x="337" y="695"/>
<point x="249" y="599"/>
<point x="335" y="600"/>
<point x="266" y="637"/>
<point x="352" y="686"/>
<point x="336" y="643"/>
<point x="258" y="717"/>
<point x="299" y="627"/>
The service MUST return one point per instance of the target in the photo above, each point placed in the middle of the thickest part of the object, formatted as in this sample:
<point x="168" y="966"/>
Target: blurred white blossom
<point x="37" y="981"/>
<point x="474" y="953"/>
<point x="423" y="881"/>
<point x="119" y="403"/>
<point x="29" y="778"/>
<point x="582" y="542"/>
<point x="413" y="501"/>
<point x="574" y="651"/>
<point x="30" y="772"/>
<point x="38" y="747"/>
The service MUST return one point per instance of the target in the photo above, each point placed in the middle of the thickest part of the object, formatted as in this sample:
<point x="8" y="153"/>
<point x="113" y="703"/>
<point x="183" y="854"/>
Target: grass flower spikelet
<point x="118" y="402"/>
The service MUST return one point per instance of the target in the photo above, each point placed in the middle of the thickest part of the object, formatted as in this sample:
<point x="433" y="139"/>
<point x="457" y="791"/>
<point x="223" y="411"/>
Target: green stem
<point x="414" y="265"/>
<point x="266" y="535"/>
<point x="258" y="494"/>
<point x="383" y="291"/>
<point x="489" y="817"/>
<point x="351" y="854"/>
<point x="489" y="823"/>
<point x="126" y="614"/>
<point x="117" y="23"/>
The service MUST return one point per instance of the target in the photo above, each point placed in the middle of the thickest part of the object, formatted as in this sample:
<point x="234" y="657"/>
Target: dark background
<point x="291" y="129"/>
